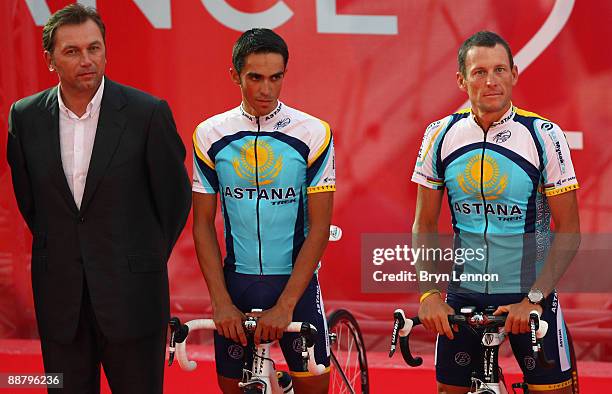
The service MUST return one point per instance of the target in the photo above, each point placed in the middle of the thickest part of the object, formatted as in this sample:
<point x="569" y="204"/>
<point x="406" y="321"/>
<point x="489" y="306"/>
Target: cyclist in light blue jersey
<point x="272" y="167"/>
<point x="507" y="172"/>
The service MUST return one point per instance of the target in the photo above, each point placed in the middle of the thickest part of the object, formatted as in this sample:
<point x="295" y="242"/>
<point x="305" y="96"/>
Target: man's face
<point x="261" y="81"/>
<point x="78" y="57"/>
<point x="488" y="79"/>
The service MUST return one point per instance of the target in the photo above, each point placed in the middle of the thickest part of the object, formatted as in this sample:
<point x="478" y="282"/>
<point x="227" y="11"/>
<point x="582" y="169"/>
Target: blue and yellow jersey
<point x="263" y="169"/>
<point x="497" y="184"/>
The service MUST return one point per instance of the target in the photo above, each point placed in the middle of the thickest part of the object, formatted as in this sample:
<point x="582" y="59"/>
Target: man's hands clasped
<point x="271" y="323"/>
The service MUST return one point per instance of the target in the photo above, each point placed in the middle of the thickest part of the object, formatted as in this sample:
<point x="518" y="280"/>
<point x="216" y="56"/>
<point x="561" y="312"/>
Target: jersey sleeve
<point x="205" y="178"/>
<point x="321" y="171"/>
<point x="558" y="171"/>
<point x="425" y="171"/>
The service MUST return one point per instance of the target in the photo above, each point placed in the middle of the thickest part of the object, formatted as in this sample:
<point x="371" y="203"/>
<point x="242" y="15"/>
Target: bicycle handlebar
<point x="180" y="332"/>
<point x="403" y="326"/>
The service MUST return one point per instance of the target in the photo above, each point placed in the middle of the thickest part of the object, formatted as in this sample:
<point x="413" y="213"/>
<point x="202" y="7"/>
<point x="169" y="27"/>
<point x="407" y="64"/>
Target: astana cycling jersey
<point x="497" y="184"/>
<point x="263" y="169"/>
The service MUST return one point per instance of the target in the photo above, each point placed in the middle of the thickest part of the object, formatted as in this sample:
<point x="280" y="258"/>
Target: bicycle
<point x="262" y="376"/>
<point x="349" y="366"/>
<point x="348" y="361"/>
<point x="490" y="327"/>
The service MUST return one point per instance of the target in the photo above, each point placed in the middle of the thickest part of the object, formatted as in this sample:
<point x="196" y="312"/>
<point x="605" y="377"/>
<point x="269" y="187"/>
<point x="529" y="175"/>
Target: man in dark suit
<point x="99" y="177"/>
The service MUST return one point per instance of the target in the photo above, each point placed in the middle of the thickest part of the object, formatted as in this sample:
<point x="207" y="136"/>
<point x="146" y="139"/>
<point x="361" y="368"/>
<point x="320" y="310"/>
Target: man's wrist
<point x="429" y="293"/>
<point x="221" y="302"/>
<point x="536" y="296"/>
<point x="286" y="302"/>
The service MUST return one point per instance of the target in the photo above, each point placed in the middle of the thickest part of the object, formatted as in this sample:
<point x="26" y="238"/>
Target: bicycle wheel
<point x="349" y="365"/>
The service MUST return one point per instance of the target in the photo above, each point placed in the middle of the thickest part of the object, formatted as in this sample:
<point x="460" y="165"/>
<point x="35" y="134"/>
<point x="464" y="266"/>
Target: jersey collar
<point x="504" y="118"/>
<point x="264" y="119"/>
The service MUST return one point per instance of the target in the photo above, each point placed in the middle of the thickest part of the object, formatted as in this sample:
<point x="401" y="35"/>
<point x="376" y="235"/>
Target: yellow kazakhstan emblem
<point x="268" y="166"/>
<point x="493" y="184"/>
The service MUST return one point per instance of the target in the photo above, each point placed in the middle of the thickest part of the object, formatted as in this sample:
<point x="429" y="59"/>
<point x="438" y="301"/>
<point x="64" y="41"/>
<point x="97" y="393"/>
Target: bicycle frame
<point x="262" y="375"/>
<point x="490" y="383"/>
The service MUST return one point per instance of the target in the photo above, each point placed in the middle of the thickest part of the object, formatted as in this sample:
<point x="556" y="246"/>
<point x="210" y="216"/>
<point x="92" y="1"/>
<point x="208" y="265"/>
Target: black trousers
<point x="132" y="367"/>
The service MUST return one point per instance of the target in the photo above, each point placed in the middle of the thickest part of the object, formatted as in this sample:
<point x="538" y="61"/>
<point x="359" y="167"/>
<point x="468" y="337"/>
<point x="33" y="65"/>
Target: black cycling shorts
<point x="457" y="358"/>
<point x="261" y="292"/>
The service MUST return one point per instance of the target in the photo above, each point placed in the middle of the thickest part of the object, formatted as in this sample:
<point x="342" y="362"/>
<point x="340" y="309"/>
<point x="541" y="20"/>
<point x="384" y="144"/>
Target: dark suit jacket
<point x="136" y="201"/>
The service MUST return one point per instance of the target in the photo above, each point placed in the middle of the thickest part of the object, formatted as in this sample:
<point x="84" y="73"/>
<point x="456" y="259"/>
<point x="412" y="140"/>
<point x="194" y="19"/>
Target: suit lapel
<point x="51" y="122"/>
<point x="111" y="124"/>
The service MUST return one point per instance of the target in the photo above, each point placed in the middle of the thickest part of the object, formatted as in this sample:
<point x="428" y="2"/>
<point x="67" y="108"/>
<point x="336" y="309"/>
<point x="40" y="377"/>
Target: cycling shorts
<point x="261" y="292"/>
<point x="457" y="358"/>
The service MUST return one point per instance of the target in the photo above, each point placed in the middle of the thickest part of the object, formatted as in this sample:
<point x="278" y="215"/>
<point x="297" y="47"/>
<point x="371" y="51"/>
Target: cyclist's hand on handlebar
<point x="434" y="312"/>
<point x="228" y="320"/>
<point x="517" y="321"/>
<point x="272" y="323"/>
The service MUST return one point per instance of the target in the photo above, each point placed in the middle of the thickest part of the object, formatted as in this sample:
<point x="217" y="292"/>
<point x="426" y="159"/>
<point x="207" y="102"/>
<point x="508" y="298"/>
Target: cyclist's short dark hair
<point x="482" y="39"/>
<point x="258" y="40"/>
<point x="73" y="14"/>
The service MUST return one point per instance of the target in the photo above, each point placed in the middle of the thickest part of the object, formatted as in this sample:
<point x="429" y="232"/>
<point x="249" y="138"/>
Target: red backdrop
<point x="378" y="72"/>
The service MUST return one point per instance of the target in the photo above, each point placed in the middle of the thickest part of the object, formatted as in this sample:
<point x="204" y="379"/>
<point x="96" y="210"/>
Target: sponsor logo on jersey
<point x="560" y="156"/>
<point x="427" y="141"/>
<point x="275" y="194"/>
<point x="479" y="208"/>
<point x="274" y="113"/>
<point x="257" y="160"/>
<point x="243" y="112"/>
<point x="530" y="363"/>
<point x="572" y="178"/>
<point x="547" y="126"/>
<point x="282" y="123"/>
<point x="493" y="181"/>
<point x="557" y="144"/>
<point x="431" y="127"/>
<point x="502" y="136"/>
<point x="504" y="120"/>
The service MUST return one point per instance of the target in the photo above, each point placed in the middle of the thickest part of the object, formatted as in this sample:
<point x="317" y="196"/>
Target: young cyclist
<point x="273" y="169"/>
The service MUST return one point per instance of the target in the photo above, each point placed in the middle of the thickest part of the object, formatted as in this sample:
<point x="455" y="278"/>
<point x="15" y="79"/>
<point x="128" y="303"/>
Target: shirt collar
<point x="92" y="108"/>
<point x="504" y="118"/>
<point x="263" y="118"/>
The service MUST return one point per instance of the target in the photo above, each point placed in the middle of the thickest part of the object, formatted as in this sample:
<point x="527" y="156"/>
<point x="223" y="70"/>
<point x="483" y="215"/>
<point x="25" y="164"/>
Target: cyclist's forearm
<point x="209" y="258"/>
<point x="425" y="232"/>
<point x="305" y="265"/>
<point x="426" y="237"/>
<point x="562" y="252"/>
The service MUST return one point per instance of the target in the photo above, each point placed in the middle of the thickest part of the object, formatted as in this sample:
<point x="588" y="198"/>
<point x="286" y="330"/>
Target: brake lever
<point x="398" y="324"/>
<point x="402" y="328"/>
<point x="538" y="331"/>
<point x="178" y="333"/>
